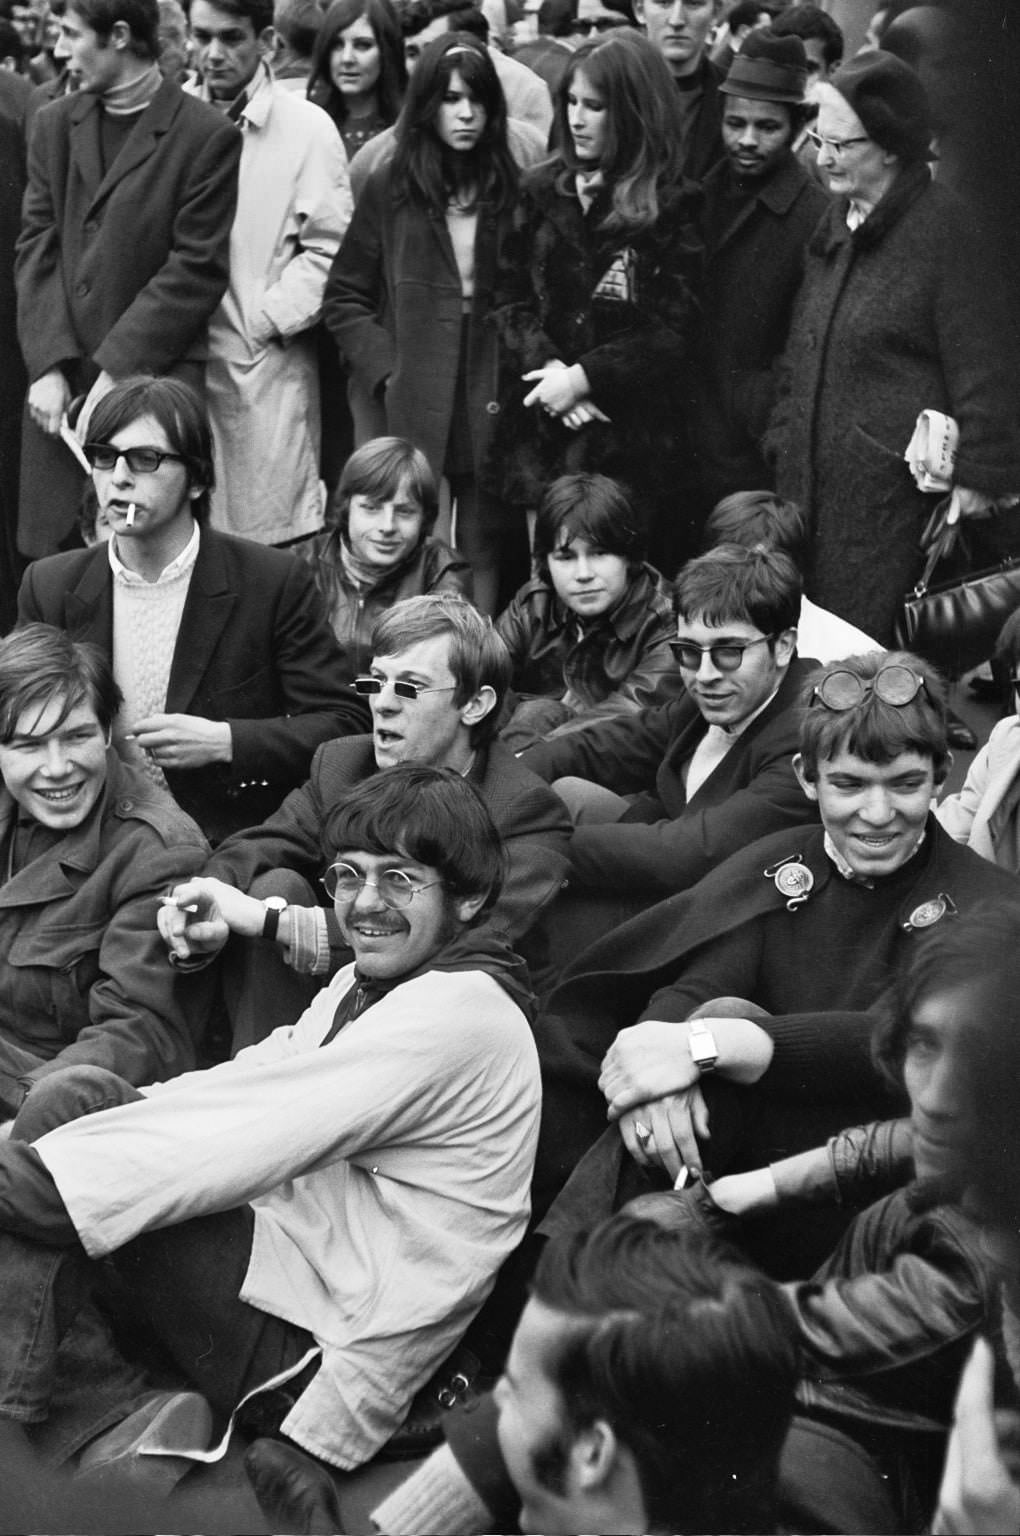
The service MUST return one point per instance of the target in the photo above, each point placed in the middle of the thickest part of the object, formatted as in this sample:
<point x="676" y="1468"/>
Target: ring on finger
<point x="642" y="1132"/>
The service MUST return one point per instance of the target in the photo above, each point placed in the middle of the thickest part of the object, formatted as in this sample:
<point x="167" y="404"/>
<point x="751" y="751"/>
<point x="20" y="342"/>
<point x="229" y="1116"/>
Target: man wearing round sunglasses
<point x="436" y="685"/>
<point x="357" y="1177"/>
<point x="230" y="672"/>
<point x="756" y="992"/>
<point x="659" y="798"/>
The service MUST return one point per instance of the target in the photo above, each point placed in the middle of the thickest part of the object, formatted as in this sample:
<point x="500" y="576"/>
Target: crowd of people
<point x="491" y="975"/>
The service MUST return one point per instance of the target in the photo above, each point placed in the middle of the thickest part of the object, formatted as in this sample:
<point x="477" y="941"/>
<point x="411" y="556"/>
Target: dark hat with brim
<point x="890" y="101"/>
<point x="768" y="68"/>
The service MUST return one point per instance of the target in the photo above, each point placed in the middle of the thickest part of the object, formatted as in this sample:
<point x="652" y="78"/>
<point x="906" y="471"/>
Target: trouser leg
<point x="260" y="990"/>
<point x="44" y="1274"/>
<point x="186" y="1282"/>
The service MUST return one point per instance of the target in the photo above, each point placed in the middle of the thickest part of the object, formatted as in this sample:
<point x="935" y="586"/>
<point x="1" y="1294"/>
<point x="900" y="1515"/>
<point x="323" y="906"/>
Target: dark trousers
<point x="183" y="1280"/>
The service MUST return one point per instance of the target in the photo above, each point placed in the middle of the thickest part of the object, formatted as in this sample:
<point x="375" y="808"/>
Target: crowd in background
<point x="473" y="450"/>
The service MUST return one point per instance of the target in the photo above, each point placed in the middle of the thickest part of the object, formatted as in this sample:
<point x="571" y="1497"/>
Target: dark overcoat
<point x="900" y="316"/>
<point x="754" y="263"/>
<point x="253" y="648"/>
<point x="118" y="271"/>
<point x="394" y="307"/>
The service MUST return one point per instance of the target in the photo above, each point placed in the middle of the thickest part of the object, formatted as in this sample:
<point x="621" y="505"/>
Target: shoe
<point x="169" y="1421"/>
<point x="296" y="1493"/>
<point x="456" y="1386"/>
<point x="959" y="734"/>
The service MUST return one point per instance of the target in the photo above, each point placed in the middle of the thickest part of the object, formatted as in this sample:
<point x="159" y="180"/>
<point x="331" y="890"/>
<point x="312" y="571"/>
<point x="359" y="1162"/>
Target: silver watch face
<point x="275" y="903"/>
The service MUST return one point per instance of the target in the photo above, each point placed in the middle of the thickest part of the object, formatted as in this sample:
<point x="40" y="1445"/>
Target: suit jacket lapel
<point x="85" y="150"/>
<point x="149" y="128"/>
<point x="207" y="608"/>
<point x="88" y="606"/>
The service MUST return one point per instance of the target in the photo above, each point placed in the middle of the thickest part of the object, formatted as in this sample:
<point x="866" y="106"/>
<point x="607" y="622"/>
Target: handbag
<point x="955" y="623"/>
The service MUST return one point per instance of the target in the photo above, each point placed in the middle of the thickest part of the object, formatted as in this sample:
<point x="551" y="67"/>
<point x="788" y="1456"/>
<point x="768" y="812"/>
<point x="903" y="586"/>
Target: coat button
<point x="83" y="287"/>
<point x="125" y="806"/>
<point x="493" y="407"/>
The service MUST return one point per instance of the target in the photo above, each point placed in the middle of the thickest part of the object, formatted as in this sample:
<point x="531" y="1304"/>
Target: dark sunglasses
<point x="140" y="461"/>
<point x="727" y="655"/>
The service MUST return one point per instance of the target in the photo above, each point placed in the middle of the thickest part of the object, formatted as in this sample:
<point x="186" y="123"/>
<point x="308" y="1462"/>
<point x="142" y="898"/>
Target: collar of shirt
<point x="733" y="731"/>
<point x="183" y="562"/>
<point x="250" y="107"/>
<point x="847" y="871"/>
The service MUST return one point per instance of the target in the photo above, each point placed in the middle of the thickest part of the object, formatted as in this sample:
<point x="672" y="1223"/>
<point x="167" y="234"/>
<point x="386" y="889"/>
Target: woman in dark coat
<point x="897" y="314"/>
<point x="596" y="292"/>
<point x="413" y="280"/>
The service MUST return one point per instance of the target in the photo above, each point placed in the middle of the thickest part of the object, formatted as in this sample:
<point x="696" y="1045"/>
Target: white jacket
<point x="262" y="377"/>
<point x="966" y="815"/>
<point x="388" y="1170"/>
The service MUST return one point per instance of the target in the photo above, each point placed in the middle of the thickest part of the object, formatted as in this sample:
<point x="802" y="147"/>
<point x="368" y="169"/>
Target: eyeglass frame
<point x="870" y="686"/>
<point x="368" y="687"/>
<point x="718" y="645"/>
<point x="838" y="146"/>
<point x="91" y="449"/>
<point x="362" y="880"/>
<point x="599" y="24"/>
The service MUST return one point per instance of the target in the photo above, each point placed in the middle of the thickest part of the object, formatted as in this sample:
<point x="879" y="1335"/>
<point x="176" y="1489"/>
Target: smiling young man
<point x="787" y="949"/>
<point x="662" y="796"/>
<point x="358" y="1177"/>
<point x="230" y="673"/>
<point x="87" y="846"/>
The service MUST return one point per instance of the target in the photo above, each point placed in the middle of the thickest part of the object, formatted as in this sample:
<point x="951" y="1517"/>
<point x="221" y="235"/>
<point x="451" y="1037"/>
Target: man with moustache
<point x="761" y="208"/>
<point x="322" y="1215"/>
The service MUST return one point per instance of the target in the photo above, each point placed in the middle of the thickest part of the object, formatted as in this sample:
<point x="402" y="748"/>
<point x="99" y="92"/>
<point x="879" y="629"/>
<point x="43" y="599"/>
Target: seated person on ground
<point x="887" y="1321"/>
<point x="589" y="636"/>
<point x="983" y="814"/>
<point x="88" y="845"/>
<point x="762" y="520"/>
<point x="785" y="951"/>
<point x="230" y="673"/>
<point x="661" y="797"/>
<point x="358" y="1177"/>
<point x="381" y="548"/>
<point x="649" y="1388"/>
<point x="980" y="1491"/>
<point x="435" y="686"/>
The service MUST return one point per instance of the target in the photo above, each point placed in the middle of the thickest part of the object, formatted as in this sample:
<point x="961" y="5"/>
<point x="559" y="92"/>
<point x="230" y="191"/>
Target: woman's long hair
<point x="644" y="126"/>
<point x="424" y="168"/>
<point x="385" y="23"/>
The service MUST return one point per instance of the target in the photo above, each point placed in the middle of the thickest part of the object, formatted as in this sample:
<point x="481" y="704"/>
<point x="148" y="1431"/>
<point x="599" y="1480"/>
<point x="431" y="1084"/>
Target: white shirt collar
<point x="182" y="562"/>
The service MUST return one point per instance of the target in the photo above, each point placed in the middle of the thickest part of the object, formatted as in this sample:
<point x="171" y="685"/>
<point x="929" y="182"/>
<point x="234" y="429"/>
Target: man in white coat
<point x="323" y="1214"/>
<point x="293" y="206"/>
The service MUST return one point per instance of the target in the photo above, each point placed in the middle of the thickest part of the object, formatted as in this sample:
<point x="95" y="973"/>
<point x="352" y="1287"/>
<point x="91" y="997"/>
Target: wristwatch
<point x="704" y="1051"/>
<point x="275" y="907"/>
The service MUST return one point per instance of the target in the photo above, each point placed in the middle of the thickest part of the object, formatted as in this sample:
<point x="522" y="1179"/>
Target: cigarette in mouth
<point x="130" y="519"/>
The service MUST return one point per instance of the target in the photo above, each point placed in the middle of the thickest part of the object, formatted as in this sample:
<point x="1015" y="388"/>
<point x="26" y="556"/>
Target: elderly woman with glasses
<point x="900" y="311"/>
<point x="985" y="813"/>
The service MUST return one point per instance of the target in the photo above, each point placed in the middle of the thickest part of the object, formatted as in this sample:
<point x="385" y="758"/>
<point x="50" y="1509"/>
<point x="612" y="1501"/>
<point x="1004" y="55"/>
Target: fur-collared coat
<point x="901" y="315"/>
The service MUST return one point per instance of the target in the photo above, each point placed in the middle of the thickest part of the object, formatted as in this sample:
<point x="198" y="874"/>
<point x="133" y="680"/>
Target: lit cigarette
<point x="681" y="1179"/>
<point x="130" y="519"/>
<point x="169" y="900"/>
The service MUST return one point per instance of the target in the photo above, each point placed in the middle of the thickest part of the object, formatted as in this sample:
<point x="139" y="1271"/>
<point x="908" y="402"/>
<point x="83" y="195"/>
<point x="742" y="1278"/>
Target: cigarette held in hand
<point x="130" y="519"/>
<point x="170" y="900"/>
